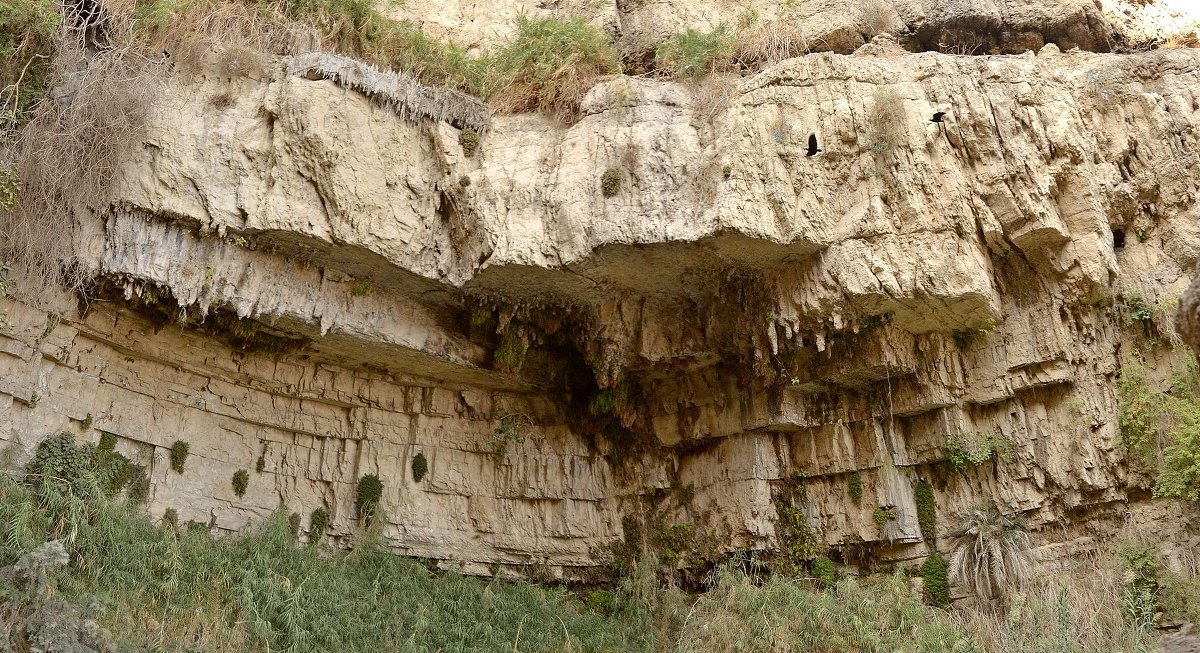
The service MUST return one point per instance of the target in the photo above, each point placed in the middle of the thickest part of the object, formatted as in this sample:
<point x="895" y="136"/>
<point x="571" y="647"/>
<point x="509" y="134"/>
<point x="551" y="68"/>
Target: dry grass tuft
<point x="68" y="157"/>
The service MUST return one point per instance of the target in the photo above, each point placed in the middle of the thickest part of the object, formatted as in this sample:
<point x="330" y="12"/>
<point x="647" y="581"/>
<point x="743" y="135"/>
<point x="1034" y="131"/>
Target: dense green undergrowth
<point x="174" y="587"/>
<point x="1160" y="430"/>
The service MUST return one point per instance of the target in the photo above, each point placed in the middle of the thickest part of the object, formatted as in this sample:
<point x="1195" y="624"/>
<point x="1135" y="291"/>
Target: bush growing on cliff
<point x="854" y="486"/>
<point x="420" y="467"/>
<point x="240" y="482"/>
<point x="179" y="455"/>
<point x="548" y="67"/>
<point x="935" y="574"/>
<point x="926" y="512"/>
<point x="316" y="525"/>
<point x="367" y="497"/>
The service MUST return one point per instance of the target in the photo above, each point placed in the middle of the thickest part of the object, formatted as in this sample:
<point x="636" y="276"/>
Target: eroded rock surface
<point x="737" y="317"/>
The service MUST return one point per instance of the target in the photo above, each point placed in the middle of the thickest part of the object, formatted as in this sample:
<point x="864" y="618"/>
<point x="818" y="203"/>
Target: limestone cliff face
<point x="571" y="360"/>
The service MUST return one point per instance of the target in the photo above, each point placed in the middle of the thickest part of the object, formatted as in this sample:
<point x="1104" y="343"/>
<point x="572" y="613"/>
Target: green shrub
<point x="179" y="455"/>
<point x="362" y="288"/>
<point x="316" y="525"/>
<point x="170" y="518"/>
<point x="963" y="449"/>
<point x="86" y="424"/>
<point x="882" y="515"/>
<point x="1180" y="472"/>
<point x="419" y="467"/>
<point x="824" y="571"/>
<point x="693" y="53"/>
<point x="241" y="480"/>
<point x="1138" y="416"/>
<point x="549" y="66"/>
<point x="294" y="524"/>
<point x="27" y="44"/>
<point x="469" y="140"/>
<point x="367" y="496"/>
<point x="1141" y="568"/>
<point x="510" y="352"/>
<point x="926" y="512"/>
<point x="798" y="544"/>
<point x="854" y="486"/>
<point x="260" y="464"/>
<point x="610" y="182"/>
<point x="935" y="573"/>
<point x="108" y="442"/>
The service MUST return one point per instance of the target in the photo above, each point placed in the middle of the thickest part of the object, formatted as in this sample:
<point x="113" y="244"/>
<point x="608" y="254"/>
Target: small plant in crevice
<point x="33" y="400"/>
<point x="926" y="512"/>
<point x="86" y="423"/>
<point x="260" y="464"/>
<point x="510" y="430"/>
<point x="936" y="576"/>
<point x="468" y="139"/>
<point x="362" y="288"/>
<point x="317" y="522"/>
<point x="610" y="182"/>
<point x="170" y="518"/>
<point x="366" y="498"/>
<point x="855" y="488"/>
<point x="882" y="515"/>
<point x="241" y="480"/>
<point x="294" y="524"/>
<point x="179" y="455"/>
<point x="420" y="467"/>
<point x="108" y="442"/>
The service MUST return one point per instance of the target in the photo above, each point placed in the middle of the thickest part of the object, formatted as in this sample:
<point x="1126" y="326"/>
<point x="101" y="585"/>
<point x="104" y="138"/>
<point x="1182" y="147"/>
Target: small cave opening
<point x="1118" y="236"/>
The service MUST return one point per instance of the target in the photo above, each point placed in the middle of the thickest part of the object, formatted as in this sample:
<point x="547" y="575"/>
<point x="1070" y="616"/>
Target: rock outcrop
<point x="300" y="283"/>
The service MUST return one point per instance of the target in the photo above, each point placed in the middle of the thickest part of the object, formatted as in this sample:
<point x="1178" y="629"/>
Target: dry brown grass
<point x="68" y="157"/>
<point x="768" y="42"/>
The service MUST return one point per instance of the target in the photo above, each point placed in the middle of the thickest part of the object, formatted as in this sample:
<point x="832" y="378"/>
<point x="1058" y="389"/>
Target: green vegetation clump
<point x="882" y="515"/>
<point x="1179" y="475"/>
<point x="108" y="442"/>
<point x="367" y="496"/>
<point x="824" y="571"/>
<point x="241" y="481"/>
<point x="935" y="573"/>
<point x="693" y="54"/>
<point x="469" y="140"/>
<point x="420" y="467"/>
<point x="294" y="524"/>
<point x="963" y="449"/>
<point x="27" y="45"/>
<point x="798" y="544"/>
<point x="548" y="67"/>
<point x="610" y="182"/>
<point x="510" y="353"/>
<point x="179" y="455"/>
<point x="1138" y="416"/>
<point x="854" y="486"/>
<point x="316" y="525"/>
<point x="926" y="512"/>
<point x="362" y="288"/>
<point x="260" y="592"/>
<point x="1141" y="569"/>
<point x="260" y="464"/>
